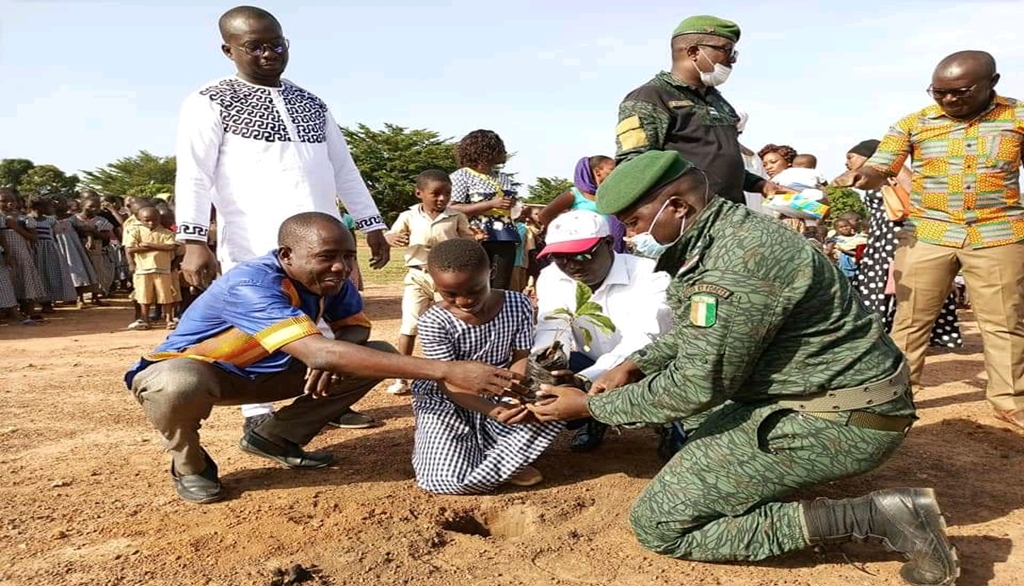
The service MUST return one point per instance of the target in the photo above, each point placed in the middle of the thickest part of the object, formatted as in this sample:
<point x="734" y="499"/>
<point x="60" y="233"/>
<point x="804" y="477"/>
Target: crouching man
<point x="252" y="337"/>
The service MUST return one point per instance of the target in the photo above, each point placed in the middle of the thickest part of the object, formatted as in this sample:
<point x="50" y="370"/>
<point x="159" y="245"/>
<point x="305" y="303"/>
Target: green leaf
<point x="588" y="308"/>
<point x="603" y="322"/>
<point x="562" y="311"/>
<point x="588" y="338"/>
<point x="555" y="317"/>
<point x="583" y="294"/>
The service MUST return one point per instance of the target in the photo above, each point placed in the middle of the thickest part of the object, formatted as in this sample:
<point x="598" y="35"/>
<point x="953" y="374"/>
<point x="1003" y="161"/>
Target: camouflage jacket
<point x="666" y="114"/>
<point x="759" y="315"/>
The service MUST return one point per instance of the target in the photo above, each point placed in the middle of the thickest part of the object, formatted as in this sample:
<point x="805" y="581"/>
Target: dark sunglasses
<point x="585" y="256"/>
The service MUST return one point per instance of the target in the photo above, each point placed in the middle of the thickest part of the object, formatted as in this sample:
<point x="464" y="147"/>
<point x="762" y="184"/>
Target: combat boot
<point x="907" y="520"/>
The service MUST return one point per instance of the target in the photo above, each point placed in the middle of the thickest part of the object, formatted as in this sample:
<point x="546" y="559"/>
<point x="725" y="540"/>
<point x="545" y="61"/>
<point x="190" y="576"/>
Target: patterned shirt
<point x="966" y="186"/>
<point x="469" y="186"/>
<point x="667" y="114"/>
<point x="244" y="319"/>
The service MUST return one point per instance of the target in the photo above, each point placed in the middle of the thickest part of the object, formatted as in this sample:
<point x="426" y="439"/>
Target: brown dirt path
<point x="86" y="498"/>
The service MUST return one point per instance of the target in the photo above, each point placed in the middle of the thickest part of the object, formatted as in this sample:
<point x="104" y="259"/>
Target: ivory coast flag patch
<point x="703" y="310"/>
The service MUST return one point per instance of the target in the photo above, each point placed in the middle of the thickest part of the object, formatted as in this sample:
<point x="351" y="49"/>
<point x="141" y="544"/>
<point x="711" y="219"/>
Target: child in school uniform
<point x="468" y="444"/>
<point x="418" y="229"/>
<point x="16" y="240"/>
<point x="50" y="264"/>
<point x="152" y="248"/>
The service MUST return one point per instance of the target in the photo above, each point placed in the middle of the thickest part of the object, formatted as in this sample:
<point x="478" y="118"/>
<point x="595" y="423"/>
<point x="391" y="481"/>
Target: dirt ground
<point x="86" y="497"/>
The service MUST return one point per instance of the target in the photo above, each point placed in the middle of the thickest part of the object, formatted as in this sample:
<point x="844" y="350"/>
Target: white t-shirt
<point x="260" y="155"/>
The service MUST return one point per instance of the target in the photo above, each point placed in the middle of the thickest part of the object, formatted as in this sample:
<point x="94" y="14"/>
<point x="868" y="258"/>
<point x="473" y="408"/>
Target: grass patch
<point x="391" y="275"/>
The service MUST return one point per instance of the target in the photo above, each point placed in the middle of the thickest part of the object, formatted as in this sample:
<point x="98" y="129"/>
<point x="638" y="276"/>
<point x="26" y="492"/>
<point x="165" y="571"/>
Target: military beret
<point x="631" y="181"/>
<point x="709" y="25"/>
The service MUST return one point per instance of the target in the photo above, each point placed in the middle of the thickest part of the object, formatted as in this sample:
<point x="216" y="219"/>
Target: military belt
<point x="853" y="398"/>
<point x="869" y="420"/>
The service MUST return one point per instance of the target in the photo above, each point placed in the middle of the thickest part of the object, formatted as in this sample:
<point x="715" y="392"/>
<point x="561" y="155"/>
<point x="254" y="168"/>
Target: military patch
<point x="703" y="310"/>
<point x="631" y="134"/>
<point x="718" y="290"/>
<point x="680" y="104"/>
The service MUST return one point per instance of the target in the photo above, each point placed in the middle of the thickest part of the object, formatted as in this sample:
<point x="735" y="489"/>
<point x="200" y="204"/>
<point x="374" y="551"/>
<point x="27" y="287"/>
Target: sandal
<point x="138" y="326"/>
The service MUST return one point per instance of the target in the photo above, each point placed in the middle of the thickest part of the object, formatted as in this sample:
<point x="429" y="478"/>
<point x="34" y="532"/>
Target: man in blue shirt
<point x="252" y="337"/>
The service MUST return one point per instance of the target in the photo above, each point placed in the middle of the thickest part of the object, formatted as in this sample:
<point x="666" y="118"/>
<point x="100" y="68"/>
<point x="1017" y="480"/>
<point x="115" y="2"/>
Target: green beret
<point x="631" y="181"/>
<point x="708" y="25"/>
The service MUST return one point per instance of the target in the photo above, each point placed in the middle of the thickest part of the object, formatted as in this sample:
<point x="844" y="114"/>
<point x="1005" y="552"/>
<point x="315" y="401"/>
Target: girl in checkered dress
<point x="49" y="262"/>
<point x="465" y="443"/>
<point x="16" y="239"/>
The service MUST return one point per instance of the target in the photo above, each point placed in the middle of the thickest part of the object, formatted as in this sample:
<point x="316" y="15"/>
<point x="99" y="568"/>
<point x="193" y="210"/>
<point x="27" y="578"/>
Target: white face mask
<point x="646" y="245"/>
<point x="717" y="76"/>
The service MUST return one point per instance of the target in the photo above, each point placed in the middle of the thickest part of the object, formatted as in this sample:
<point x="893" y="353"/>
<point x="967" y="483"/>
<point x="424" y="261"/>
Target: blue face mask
<point x="645" y="244"/>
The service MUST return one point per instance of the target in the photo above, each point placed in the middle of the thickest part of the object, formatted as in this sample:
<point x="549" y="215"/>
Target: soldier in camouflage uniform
<point x="681" y="110"/>
<point x="779" y="374"/>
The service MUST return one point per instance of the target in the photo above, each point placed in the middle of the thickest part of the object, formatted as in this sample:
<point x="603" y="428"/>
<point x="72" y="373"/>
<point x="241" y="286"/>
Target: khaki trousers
<point x="995" y="283"/>
<point x="177" y="395"/>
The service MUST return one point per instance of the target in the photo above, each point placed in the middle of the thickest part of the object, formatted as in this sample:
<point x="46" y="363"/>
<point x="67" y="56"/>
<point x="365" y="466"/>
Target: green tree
<point x="842" y="200"/>
<point x="45" y="180"/>
<point x="144" y="174"/>
<point x="12" y="171"/>
<point x="390" y="159"/>
<point x="547" y="189"/>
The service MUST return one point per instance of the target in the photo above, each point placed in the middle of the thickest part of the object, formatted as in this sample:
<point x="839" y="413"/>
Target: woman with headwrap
<point x="874" y="269"/>
<point x="589" y="173"/>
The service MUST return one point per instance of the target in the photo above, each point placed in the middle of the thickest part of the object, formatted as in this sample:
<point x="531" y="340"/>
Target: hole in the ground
<point x="468" y="525"/>
<point x="514" y="521"/>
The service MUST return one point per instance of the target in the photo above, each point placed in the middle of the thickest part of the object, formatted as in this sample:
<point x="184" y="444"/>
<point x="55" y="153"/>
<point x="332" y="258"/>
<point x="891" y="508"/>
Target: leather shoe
<point x="588" y="437"/>
<point x="1014" y="418"/>
<point x="198" y="488"/>
<point x="288" y="453"/>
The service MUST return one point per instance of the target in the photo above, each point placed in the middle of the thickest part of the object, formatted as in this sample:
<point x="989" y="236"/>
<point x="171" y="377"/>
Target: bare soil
<point x="86" y="498"/>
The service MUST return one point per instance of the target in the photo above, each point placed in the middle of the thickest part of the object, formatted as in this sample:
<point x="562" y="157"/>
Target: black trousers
<point x="503" y="260"/>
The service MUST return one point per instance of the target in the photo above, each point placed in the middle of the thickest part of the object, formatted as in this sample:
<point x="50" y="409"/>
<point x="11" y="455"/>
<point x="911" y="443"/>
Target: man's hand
<point x="560" y="404"/>
<point x="199" y="264"/>
<point x="318" y="383"/>
<point x="478" y="378"/>
<point x="380" y="250"/>
<point x="623" y="374"/>
<point x="397" y="240"/>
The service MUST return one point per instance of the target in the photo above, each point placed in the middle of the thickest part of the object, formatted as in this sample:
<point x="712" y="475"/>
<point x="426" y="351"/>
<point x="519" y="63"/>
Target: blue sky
<point x="85" y="82"/>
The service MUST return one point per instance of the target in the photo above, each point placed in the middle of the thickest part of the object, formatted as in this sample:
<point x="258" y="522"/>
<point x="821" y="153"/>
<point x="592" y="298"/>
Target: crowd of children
<point x="56" y="250"/>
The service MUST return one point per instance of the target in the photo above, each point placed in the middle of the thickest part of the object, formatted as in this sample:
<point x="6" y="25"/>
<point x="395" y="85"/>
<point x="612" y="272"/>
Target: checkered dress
<point x="99" y="253"/>
<point x="27" y="283"/>
<point x="51" y="265"/>
<point x="7" y="296"/>
<point x="73" y="252"/>
<point x="458" y="451"/>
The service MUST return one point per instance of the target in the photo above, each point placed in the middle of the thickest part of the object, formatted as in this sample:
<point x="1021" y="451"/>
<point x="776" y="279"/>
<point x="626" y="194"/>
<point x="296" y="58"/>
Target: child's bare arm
<point x="472" y="402"/>
<point x="519" y="359"/>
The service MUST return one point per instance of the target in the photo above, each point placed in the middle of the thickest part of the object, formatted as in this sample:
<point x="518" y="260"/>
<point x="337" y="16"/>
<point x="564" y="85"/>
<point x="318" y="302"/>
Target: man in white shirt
<point x="629" y="291"/>
<point x="260" y="149"/>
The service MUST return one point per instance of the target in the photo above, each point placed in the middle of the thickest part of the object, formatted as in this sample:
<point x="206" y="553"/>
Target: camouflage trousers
<point x="717" y="499"/>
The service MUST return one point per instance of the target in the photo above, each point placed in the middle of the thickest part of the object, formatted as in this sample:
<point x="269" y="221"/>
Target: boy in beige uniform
<point x="420" y="227"/>
<point x="152" y="249"/>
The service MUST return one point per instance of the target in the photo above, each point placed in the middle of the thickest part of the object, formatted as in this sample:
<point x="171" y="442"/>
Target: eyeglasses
<point x="585" y="256"/>
<point x="732" y="53"/>
<point x="958" y="93"/>
<point x="255" y="49"/>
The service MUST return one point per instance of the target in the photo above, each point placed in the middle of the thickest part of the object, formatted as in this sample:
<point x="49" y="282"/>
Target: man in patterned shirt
<point x="259" y="149"/>
<point x="682" y="110"/>
<point x="965" y="215"/>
